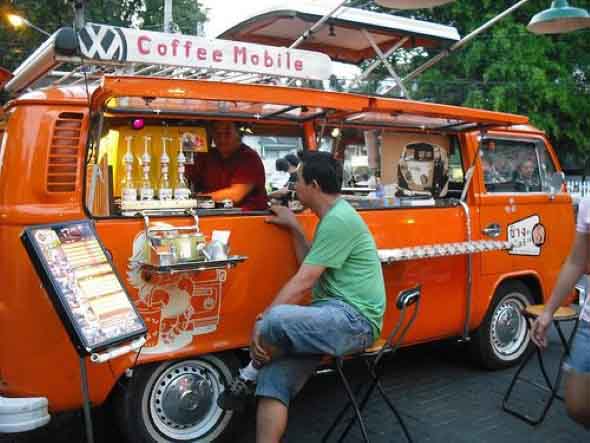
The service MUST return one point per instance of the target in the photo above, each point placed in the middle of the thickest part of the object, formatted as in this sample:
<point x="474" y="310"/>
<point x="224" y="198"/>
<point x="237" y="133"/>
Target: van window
<point x="350" y="146"/>
<point x="124" y="142"/>
<point x="456" y="172"/>
<point x="272" y="147"/>
<point x="516" y="166"/>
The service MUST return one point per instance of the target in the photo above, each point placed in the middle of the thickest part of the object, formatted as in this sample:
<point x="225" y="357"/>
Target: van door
<point x="516" y="205"/>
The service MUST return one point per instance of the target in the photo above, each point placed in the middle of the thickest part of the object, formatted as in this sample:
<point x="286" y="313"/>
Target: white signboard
<point x="122" y="45"/>
<point x="527" y="236"/>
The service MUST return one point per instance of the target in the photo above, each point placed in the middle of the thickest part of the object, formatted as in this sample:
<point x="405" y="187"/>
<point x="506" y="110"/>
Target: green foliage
<point x="16" y="45"/>
<point x="509" y="69"/>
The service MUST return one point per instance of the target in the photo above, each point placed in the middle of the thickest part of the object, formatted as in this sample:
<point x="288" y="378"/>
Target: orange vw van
<point x="445" y="204"/>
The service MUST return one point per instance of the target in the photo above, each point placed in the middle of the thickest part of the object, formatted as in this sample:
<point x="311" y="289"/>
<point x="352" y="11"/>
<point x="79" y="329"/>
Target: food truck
<point x="102" y="153"/>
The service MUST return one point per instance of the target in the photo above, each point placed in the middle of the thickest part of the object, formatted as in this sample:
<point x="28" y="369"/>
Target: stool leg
<point x="340" y="416"/>
<point x="363" y="402"/>
<point x="566" y="350"/>
<point x="543" y="370"/>
<point x="394" y="410"/>
<point x="352" y="399"/>
<point x="513" y="382"/>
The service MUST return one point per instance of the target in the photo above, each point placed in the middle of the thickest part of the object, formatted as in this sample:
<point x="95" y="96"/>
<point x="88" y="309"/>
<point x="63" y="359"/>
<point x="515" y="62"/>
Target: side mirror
<point x="556" y="182"/>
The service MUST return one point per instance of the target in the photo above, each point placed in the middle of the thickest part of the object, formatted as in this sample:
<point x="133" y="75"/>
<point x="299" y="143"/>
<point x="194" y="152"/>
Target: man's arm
<point x="292" y="293"/>
<point x="235" y="193"/>
<point x="285" y="218"/>
<point x="571" y="272"/>
<point x="300" y="243"/>
<point x="295" y="289"/>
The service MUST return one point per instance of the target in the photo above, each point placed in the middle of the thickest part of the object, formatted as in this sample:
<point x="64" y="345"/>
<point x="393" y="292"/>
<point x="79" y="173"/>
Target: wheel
<point x="176" y="401"/>
<point x="502" y="340"/>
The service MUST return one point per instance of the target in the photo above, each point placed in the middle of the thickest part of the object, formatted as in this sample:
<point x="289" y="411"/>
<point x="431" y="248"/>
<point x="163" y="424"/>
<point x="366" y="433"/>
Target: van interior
<point x="383" y="161"/>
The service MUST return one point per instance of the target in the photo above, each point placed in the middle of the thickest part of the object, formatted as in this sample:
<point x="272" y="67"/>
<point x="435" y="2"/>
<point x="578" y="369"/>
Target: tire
<point x="176" y="401"/>
<point x="502" y="339"/>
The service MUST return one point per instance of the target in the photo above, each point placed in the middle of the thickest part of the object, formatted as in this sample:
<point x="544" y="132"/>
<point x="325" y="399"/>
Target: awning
<point x="343" y="35"/>
<point x="160" y="97"/>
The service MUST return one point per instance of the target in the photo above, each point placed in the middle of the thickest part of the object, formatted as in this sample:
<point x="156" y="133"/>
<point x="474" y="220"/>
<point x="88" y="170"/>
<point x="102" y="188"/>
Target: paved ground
<point x="442" y="396"/>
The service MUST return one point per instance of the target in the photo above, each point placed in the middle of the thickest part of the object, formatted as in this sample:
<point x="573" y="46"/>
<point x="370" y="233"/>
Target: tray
<point x="192" y="266"/>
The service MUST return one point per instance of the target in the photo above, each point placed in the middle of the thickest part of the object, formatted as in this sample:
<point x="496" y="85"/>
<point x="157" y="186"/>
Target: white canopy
<point x="342" y="36"/>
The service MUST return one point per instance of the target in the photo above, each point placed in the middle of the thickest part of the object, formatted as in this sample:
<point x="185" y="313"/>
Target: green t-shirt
<point x="344" y="245"/>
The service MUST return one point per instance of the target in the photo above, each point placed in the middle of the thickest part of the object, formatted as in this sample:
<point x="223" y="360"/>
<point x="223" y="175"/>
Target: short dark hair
<point x="324" y="169"/>
<point x="292" y="159"/>
<point x="282" y="165"/>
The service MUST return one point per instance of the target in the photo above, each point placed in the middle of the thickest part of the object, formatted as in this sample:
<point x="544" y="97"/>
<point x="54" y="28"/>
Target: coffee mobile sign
<point x="123" y="45"/>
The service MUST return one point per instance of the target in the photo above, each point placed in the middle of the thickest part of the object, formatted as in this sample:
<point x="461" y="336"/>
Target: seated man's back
<point x="345" y="247"/>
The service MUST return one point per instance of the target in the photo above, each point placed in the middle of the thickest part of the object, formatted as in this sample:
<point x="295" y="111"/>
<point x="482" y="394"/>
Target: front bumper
<point x="23" y="414"/>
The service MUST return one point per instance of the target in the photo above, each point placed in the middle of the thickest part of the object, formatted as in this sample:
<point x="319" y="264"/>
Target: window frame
<point x="537" y="142"/>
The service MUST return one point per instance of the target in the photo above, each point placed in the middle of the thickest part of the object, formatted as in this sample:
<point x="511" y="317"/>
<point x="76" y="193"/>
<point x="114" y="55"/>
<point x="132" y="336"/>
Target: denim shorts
<point x="579" y="358"/>
<point x="304" y="334"/>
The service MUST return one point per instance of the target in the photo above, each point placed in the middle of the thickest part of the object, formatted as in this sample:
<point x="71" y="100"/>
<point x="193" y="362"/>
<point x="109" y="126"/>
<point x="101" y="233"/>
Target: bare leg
<point x="577" y="397"/>
<point x="271" y="420"/>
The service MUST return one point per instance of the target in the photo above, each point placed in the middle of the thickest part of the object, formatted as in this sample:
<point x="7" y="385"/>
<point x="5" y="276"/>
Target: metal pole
<point x="317" y="25"/>
<point x="376" y="63"/>
<point x="386" y="63"/>
<point x="86" y="399"/>
<point x="167" y="15"/>
<point x="79" y="13"/>
<point x="433" y="61"/>
<point x="36" y="28"/>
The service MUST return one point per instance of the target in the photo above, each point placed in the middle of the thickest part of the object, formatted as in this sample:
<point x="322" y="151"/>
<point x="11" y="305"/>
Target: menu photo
<point x="83" y="285"/>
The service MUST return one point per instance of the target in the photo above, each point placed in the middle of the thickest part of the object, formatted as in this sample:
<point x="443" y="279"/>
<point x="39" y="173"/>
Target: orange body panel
<point x="33" y="341"/>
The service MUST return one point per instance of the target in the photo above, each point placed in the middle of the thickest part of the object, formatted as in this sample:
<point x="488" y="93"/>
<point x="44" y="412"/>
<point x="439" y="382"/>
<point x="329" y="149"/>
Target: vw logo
<point x="103" y="43"/>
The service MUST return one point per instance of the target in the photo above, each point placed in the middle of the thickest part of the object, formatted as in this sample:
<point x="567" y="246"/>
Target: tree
<point x="50" y="15"/>
<point x="511" y="70"/>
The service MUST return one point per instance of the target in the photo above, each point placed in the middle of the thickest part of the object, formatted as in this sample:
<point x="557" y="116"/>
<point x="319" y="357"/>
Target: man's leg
<point x="577" y="379"/>
<point x="577" y="397"/>
<point x="271" y="420"/>
<point x="301" y="335"/>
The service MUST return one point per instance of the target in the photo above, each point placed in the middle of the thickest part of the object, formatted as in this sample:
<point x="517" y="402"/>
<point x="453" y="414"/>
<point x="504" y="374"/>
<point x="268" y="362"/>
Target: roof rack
<point x="101" y="49"/>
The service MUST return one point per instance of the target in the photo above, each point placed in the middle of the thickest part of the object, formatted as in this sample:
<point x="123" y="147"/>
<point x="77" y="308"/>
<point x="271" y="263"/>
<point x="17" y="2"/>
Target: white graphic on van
<point x="527" y="236"/>
<point x="175" y="307"/>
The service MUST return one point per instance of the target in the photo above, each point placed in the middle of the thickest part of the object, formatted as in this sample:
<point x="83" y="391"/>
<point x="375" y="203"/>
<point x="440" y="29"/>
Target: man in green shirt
<point x="342" y="268"/>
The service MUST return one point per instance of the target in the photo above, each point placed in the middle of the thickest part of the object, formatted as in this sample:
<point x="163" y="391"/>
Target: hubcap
<point x="508" y="328"/>
<point x="182" y="401"/>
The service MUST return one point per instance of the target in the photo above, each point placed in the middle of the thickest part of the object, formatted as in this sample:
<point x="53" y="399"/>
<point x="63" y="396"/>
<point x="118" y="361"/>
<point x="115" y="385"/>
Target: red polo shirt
<point x="212" y="172"/>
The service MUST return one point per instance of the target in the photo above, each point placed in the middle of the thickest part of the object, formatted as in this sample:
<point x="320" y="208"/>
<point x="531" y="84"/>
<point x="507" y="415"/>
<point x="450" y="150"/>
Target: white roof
<point x="283" y="24"/>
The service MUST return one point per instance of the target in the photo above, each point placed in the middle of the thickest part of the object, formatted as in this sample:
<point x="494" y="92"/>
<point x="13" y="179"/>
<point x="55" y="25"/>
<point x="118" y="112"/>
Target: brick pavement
<point x="442" y="396"/>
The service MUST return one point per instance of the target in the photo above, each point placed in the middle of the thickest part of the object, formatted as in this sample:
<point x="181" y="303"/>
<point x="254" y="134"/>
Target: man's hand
<point x="540" y="328"/>
<point x="257" y="352"/>
<point x="283" y="217"/>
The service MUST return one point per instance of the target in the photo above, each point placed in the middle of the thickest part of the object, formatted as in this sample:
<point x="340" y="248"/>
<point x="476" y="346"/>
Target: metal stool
<point x="530" y="313"/>
<point x="371" y="357"/>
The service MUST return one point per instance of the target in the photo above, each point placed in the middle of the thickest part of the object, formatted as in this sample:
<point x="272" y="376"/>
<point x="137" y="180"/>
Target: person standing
<point x="288" y="164"/>
<point x="342" y="268"/>
<point x="577" y="366"/>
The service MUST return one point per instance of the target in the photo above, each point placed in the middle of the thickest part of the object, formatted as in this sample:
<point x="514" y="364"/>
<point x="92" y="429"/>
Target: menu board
<point x="83" y="285"/>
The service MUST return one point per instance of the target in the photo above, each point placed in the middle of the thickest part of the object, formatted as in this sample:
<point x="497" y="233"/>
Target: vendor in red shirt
<point x="232" y="171"/>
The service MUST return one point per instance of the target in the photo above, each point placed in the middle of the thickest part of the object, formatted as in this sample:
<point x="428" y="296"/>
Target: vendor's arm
<point x="236" y="193"/>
